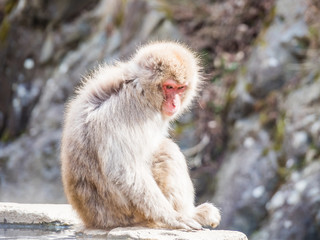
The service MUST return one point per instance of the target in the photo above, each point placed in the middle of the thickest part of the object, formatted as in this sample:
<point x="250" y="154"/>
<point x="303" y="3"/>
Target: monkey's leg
<point x="171" y="174"/>
<point x="137" y="185"/>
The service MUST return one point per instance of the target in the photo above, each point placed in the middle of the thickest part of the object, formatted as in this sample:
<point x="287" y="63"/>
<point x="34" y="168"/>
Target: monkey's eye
<point x="169" y="87"/>
<point x="181" y="87"/>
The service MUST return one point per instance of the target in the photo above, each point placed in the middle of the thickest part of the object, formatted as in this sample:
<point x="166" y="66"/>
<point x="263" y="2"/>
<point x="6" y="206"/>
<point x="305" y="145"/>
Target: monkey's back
<point x="98" y="134"/>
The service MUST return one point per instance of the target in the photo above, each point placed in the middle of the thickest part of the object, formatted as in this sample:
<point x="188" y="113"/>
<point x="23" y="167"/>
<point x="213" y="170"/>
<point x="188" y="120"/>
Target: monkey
<point x="119" y="166"/>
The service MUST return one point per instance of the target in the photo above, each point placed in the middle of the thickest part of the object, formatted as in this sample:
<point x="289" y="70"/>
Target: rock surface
<point x="15" y="213"/>
<point x="162" y="234"/>
<point x="33" y="215"/>
<point x="270" y="166"/>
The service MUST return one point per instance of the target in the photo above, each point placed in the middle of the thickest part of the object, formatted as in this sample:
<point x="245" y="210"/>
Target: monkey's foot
<point x="207" y="215"/>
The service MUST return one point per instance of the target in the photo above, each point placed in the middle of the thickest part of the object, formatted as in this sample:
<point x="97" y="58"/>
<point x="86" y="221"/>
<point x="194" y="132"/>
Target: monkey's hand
<point x="207" y="215"/>
<point x="177" y="221"/>
<point x="190" y="223"/>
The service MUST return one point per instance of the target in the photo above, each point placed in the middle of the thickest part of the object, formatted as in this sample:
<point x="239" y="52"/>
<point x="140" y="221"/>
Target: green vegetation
<point x="4" y="30"/>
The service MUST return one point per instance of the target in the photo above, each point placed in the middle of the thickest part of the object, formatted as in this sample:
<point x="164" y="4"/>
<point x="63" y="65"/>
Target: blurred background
<point x="252" y="139"/>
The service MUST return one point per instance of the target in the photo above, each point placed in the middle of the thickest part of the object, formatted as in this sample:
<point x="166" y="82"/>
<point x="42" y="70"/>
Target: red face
<point x="172" y="92"/>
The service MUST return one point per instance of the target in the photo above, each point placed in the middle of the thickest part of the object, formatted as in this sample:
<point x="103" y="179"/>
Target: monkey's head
<point x="170" y="73"/>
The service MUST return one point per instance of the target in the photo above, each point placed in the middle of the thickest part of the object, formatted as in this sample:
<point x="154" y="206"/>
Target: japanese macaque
<point x="119" y="167"/>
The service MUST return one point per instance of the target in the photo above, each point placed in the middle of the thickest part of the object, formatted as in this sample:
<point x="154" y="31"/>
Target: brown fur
<point x="118" y="166"/>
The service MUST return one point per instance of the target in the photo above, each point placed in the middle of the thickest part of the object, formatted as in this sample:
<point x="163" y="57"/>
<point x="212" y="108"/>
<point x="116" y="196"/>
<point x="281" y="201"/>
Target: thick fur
<point x="119" y="168"/>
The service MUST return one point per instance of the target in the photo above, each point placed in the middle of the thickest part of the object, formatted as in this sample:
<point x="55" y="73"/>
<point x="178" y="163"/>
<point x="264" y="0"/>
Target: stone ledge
<point x="15" y="215"/>
<point x="163" y="234"/>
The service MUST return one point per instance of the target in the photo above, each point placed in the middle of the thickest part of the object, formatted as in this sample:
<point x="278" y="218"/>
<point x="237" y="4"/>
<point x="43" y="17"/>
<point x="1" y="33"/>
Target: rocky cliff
<point x="253" y="137"/>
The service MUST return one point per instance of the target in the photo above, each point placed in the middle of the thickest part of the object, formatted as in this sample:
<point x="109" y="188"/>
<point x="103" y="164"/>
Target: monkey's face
<point x="172" y="92"/>
<point x="169" y="75"/>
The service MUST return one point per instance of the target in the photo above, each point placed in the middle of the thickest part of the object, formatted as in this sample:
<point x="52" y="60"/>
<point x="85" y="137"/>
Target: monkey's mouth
<point x="171" y="104"/>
